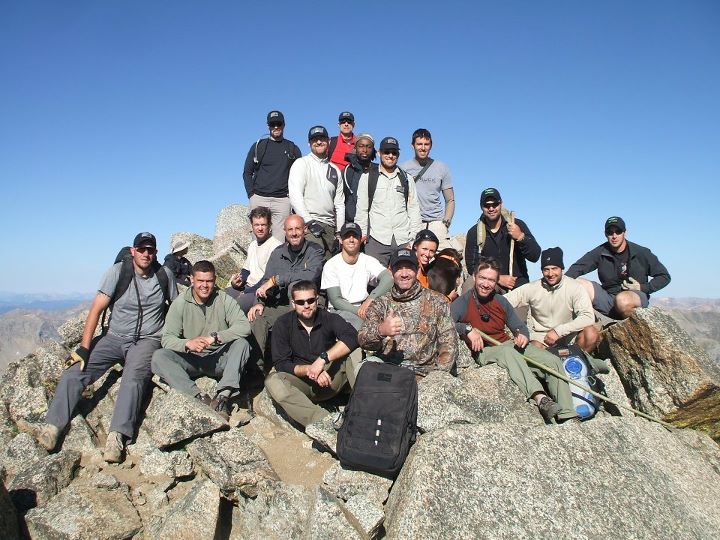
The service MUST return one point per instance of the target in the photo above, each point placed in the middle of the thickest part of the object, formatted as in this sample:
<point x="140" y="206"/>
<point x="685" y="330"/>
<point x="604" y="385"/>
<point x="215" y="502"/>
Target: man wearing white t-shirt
<point x="347" y="275"/>
<point x="244" y="284"/>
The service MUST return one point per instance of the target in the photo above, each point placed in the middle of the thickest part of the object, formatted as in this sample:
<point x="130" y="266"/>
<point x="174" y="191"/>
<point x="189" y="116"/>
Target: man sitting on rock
<point x="204" y="335"/>
<point x="310" y="349"/>
<point x="132" y="336"/>
<point x="481" y="309"/>
<point x="561" y="312"/>
<point x="295" y="260"/>
<point x="410" y="325"/>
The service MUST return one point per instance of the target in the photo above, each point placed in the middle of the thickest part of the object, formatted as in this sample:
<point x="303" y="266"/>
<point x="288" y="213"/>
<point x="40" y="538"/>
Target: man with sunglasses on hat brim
<point x="344" y="143"/>
<point x="499" y="233"/>
<point x="310" y="349"/>
<point x="623" y="268"/>
<point x="133" y="335"/>
<point x="482" y="309"/>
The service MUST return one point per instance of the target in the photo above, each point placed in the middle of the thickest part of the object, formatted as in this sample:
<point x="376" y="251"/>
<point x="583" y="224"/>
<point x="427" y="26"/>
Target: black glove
<point x="81" y="354"/>
<point x="315" y="228"/>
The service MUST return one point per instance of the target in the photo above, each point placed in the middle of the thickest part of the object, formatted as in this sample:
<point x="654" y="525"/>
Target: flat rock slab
<point x="174" y="464"/>
<point x="368" y="515"/>
<point x="43" y="479"/>
<point x="174" y="417"/>
<point x="627" y="474"/>
<point x="84" y="511"/>
<point x="346" y="484"/>
<point x="323" y="432"/>
<point x="20" y="453"/>
<point x="193" y="516"/>
<point x="232" y="461"/>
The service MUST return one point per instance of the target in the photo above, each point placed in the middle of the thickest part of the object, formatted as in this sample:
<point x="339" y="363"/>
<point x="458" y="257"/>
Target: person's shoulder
<point x="436" y="297"/>
<point x="314" y="246"/>
<point x="334" y="262"/>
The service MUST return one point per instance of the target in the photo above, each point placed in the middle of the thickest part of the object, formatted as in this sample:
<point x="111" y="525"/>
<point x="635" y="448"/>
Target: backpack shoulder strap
<point x="260" y="154"/>
<point x="332" y="174"/>
<point x="164" y="282"/>
<point x="126" y="274"/>
<point x="425" y="168"/>
<point x="332" y="146"/>
<point x="405" y="184"/>
<point x="373" y="176"/>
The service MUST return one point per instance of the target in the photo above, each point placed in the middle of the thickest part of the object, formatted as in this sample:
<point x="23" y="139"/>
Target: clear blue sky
<point x="117" y="117"/>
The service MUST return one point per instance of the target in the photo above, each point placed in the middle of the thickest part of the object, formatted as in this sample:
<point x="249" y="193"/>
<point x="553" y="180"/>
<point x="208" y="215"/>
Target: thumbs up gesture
<point x="392" y="325"/>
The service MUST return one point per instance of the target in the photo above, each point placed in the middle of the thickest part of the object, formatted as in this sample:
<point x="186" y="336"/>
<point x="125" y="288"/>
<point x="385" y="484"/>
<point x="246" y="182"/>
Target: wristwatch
<point x="324" y="356"/>
<point x="214" y="335"/>
<point x="468" y="329"/>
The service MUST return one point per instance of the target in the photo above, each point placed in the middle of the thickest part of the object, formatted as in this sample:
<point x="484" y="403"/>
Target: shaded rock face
<point x="663" y="371"/>
<point x="193" y="516"/>
<point x="519" y="482"/>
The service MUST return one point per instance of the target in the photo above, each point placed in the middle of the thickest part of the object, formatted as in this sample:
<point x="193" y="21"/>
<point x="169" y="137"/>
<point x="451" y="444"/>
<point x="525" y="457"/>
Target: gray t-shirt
<point x="429" y="188"/>
<point x="125" y="311"/>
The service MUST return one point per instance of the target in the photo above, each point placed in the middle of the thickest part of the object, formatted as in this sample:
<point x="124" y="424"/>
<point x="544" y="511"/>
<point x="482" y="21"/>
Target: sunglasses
<point x="491" y="204"/>
<point x="393" y="152"/>
<point x="345" y="122"/>
<point x="146" y="249"/>
<point x="308" y="301"/>
<point x="275" y="125"/>
<point x="611" y="232"/>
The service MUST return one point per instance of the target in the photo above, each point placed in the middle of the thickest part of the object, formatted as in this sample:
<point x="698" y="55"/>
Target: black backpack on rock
<point x="380" y="420"/>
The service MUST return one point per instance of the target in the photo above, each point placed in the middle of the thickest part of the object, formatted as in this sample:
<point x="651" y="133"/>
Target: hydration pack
<point x="578" y="368"/>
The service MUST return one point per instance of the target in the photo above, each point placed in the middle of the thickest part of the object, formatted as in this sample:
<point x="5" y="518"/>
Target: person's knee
<point x="588" y="338"/>
<point x="160" y="360"/>
<point x="626" y="302"/>
<point x="588" y="286"/>
<point x="277" y="387"/>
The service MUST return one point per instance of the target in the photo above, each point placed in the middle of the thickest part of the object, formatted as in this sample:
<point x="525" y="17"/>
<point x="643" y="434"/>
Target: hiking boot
<point x="48" y="437"/>
<point x="548" y="408"/>
<point x="222" y="406"/>
<point x="114" y="447"/>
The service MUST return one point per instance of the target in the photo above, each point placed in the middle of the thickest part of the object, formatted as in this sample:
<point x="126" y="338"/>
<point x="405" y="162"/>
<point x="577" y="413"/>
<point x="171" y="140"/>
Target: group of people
<point x="351" y="261"/>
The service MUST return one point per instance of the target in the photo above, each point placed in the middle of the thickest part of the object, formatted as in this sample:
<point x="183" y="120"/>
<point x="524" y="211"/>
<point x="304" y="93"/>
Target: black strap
<point x="374" y="176"/>
<point x="425" y="168"/>
<point x="333" y="145"/>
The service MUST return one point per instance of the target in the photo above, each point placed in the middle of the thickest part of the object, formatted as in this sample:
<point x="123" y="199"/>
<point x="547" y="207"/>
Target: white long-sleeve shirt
<point x="257" y="258"/>
<point x="316" y="191"/>
<point x="388" y="216"/>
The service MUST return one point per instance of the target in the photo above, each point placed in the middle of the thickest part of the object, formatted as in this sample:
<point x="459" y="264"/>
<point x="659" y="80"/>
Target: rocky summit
<point x="484" y="465"/>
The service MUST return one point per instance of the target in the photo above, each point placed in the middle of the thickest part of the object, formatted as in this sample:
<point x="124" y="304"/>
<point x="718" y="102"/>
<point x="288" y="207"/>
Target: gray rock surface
<point x="22" y="452"/>
<point x="366" y="515"/>
<point x="265" y="406"/>
<point x="175" y="464"/>
<point x="200" y="247"/>
<point x="279" y="511"/>
<point x="81" y="438"/>
<point x="232" y="461"/>
<point x="323" y="431"/>
<point x="193" y="516"/>
<point x="328" y="519"/>
<point x="175" y="417"/>
<point x="481" y="481"/>
<point x="346" y="484"/>
<point x="84" y="511"/>
<point x="43" y="479"/>
<point x="232" y="230"/>
<point x="71" y="331"/>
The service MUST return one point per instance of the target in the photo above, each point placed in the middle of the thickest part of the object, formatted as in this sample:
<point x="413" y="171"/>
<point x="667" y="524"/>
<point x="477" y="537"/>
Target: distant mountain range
<point x="42" y="301"/>
<point x="699" y="317"/>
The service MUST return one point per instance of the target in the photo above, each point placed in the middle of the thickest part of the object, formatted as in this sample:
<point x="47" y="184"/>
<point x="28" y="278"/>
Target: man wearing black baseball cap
<point x="508" y="240"/>
<point x="266" y="171"/>
<point x="138" y="290"/>
<point x="387" y="206"/>
<point x="316" y="192"/>
<point x="410" y="325"/>
<point x="343" y="144"/>
<point x="623" y="268"/>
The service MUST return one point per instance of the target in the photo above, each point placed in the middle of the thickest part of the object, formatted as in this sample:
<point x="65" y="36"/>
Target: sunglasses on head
<point x="308" y="301"/>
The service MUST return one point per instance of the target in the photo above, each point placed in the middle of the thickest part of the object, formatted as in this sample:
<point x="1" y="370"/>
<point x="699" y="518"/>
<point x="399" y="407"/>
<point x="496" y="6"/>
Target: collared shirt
<point x="292" y="345"/>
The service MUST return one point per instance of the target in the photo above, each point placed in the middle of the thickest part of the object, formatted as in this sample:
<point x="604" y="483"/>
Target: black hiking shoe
<point x="548" y="408"/>
<point x="222" y="406"/>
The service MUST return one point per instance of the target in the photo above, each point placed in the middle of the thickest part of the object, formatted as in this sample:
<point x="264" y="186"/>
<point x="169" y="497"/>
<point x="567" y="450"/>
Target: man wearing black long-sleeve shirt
<point x="266" y="172"/>
<point x="492" y="237"/>
<point x="310" y="349"/>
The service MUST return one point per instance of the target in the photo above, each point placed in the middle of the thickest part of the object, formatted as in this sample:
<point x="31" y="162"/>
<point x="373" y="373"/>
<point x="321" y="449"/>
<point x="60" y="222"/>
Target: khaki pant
<point x="326" y="241"/>
<point x="441" y="231"/>
<point x="298" y="396"/>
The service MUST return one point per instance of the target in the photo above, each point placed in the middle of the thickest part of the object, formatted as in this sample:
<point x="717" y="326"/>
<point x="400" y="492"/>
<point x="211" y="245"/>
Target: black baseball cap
<point x="403" y="255"/>
<point x="145" y="239"/>
<point x="317" y="132"/>
<point x="425" y="234"/>
<point x="350" y="228"/>
<point x="389" y="143"/>
<point x="346" y="115"/>
<point x="614" y="222"/>
<point x="490" y="193"/>
<point x="552" y="257"/>
<point x="275" y="117"/>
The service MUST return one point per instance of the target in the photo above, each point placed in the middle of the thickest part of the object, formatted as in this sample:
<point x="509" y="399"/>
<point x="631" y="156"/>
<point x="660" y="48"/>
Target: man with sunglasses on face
<point x="387" y="206"/>
<point x="623" y="268"/>
<point x="310" y="349"/>
<point x="266" y="172"/>
<point x="494" y="236"/>
<point x="133" y="335"/>
<point x="316" y="192"/>
<point x="343" y="144"/>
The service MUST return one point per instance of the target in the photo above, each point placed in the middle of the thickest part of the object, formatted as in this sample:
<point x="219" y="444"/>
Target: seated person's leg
<point x="509" y="359"/>
<point x="627" y="301"/>
<point x="602" y="300"/>
<point x="292" y="393"/>
<point x="177" y="370"/>
<point x="559" y="390"/>
<point x="230" y="365"/>
<point x="588" y="338"/>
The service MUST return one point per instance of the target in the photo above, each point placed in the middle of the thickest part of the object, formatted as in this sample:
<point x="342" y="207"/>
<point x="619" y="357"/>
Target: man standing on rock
<point x="204" y="335"/>
<point x="432" y="179"/>
<point x="561" y="312"/>
<point x="316" y="192"/>
<point x="266" y="171"/>
<point x="411" y="325"/>
<point x="138" y="293"/>
<point x="342" y="145"/>
<point x="623" y="268"/>
<point x="481" y="309"/>
<point x="310" y="349"/>
<point x="359" y="163"/>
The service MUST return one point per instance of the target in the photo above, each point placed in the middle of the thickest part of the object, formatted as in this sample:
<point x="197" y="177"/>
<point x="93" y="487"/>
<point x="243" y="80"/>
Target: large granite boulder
<point x="41" y="480"/>
<point x="664" y="371"/>
<point x="627" y="476"/>
<point x="194" y="516"/>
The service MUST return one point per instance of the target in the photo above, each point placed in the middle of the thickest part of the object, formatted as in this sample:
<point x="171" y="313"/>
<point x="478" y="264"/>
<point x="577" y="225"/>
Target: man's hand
<point x="237" y="281"/>
<point x="521" y="340"/>
<point x="392" y="325"/>
<point x="324" y="379"/>
<point x="261" y="292"/>
<point x="199" y="344"/>
<point x="255" y="311"/>
<point x="507" y="282"/>
<point x="362" y="310"/>
<point x="551" y="337"/>
<point x="315" y="228"/>
<point x="475" y="340"/>
<point x="315" y="369"/>
<point x="515" y="231"/>
<point x="364" y="240"/>
<point x="631" y="284"/>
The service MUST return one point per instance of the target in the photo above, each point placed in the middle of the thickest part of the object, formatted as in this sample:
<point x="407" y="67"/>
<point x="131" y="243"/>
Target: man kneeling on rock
<point x="310" y="349"/>
<point x="481" y="310"/>
<point x="204" y="335"/>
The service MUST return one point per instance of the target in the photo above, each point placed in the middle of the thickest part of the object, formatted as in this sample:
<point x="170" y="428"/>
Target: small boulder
<point x="194" y="515"/>
<point x="43" y="479"/>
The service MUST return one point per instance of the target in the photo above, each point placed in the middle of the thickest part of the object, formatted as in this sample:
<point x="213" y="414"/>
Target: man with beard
<point x="204" y="335"/>
<point x="410" y="326"/>
<point x="359" y="163"/>
<point x="310" y="349"/>
<point x="482" y="309"/>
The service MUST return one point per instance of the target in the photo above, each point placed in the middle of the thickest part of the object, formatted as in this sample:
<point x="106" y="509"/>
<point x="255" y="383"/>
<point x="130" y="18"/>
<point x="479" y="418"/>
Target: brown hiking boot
<point x="114" y="447"/>
<point x="48" y="436"/>
<point x="548" y="408"/>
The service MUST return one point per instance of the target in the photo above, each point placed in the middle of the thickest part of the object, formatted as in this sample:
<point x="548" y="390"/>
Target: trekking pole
<point x="568" y="380"/>
<point x="512" y="244"/>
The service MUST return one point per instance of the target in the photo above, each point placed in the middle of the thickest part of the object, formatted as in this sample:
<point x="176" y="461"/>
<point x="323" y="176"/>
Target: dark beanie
<point x="552" y="257"/>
